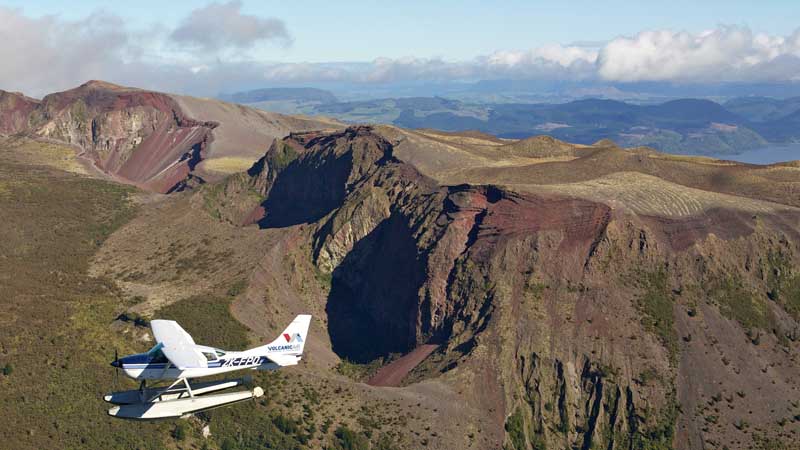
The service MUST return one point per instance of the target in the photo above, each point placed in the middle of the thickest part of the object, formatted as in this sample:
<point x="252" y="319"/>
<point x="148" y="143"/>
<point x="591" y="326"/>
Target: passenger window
<point x="210" y="356"/>
<point x="220" y="353"/>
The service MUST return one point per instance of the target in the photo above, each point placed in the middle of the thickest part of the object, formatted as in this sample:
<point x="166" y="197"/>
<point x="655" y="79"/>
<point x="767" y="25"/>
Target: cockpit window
<point x="210" y="356"/>
<point x="155" y="348"/>
<point x="156" y="355"/>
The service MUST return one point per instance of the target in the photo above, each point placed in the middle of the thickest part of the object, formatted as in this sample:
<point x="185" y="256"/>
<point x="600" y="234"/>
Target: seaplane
<point x="176" y="359"/>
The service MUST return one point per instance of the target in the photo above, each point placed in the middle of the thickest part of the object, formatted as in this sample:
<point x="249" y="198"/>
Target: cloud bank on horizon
<point x="210" y="52"/>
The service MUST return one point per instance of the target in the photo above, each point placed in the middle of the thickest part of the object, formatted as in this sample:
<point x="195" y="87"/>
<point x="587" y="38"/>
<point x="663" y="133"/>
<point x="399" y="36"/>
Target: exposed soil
<point x="393" y="373"/>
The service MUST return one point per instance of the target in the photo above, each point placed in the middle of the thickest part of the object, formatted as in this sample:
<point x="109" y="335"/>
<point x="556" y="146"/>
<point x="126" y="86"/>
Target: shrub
<point x="8" y="369"/>
<point x="738" y="303"/>
<point x="179" y="433"/>
<point x="326" y="425"/>
<point x="656" y="304"/>
<point x="347" y="439"/>
<point x="384" y="443"/>
<point x="285" y="424"/>
<point x="229" y="444"/>
<point x="515" y="431"/>
<point x="237" y="288"/>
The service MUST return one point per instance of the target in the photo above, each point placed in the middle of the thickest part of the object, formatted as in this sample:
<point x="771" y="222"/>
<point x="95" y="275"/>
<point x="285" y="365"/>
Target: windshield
<point x="156" y="355"/>
<point x="155" y="348"/>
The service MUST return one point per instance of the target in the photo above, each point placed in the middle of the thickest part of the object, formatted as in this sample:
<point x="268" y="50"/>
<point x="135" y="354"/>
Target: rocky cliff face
<point x="15" y="109"/>
<point x="139" y="137"/>
<point x="142" y="137"/>
<point x="590" y="326"/>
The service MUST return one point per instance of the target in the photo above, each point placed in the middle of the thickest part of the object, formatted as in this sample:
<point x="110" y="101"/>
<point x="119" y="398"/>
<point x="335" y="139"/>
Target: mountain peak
<point x="105" y="85"/>
<point x="605" y="143"/>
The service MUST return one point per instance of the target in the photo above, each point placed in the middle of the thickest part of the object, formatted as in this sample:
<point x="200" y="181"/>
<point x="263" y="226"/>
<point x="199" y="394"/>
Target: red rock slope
<point x="14" y="111"/>
<point x="142" y="137"/>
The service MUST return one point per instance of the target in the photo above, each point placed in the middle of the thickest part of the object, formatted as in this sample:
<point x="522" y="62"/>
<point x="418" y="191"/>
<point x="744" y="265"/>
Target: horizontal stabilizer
<point x="284" y="360"/>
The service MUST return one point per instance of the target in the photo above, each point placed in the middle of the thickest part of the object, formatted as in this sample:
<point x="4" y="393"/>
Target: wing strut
<point x="175" y="383"/>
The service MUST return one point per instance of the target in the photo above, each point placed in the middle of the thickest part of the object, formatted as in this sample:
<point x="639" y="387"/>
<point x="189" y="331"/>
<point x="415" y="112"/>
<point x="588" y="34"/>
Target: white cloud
<point x="728" y="53"/>
<point x="47" y="54"/>
<point x="44" y="53"/>
<point x="220" y="26"/>
<point x="553" y="54"/>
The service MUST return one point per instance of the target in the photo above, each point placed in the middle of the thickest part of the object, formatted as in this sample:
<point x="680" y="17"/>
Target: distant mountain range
<point x="697" y="126"/>
<point x="694" y="126"/>
<point x="281" y="94"/>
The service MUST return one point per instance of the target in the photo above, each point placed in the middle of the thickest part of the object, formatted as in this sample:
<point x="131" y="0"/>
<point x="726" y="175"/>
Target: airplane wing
<point x="179" y="347"/>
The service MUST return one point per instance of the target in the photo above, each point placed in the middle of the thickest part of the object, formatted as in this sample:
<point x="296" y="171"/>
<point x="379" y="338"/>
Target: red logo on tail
<point x="295" y="338"/>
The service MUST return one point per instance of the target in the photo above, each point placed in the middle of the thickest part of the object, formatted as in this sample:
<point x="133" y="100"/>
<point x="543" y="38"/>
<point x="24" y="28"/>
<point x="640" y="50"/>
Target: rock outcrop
<point x="15" y="109"/>
<point x="139" y="136"/>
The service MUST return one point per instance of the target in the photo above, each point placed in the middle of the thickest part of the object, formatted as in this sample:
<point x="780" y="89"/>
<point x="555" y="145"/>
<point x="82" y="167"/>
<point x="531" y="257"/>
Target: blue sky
<point x="346" y="30"/>
<point x="207" y="47"/>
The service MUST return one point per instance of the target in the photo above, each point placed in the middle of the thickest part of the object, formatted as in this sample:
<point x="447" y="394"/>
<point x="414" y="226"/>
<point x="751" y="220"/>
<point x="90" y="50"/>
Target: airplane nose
<point x="116" y="363"/>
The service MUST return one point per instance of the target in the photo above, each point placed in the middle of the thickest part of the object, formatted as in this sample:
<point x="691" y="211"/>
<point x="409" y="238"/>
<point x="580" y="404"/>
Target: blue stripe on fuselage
<point x="144" y="361"/>
<point x="155" y="366"/>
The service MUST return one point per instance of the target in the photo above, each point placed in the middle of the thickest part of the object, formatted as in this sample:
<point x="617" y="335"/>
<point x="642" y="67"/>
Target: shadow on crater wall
<point x="307" y="190"/>
<point x="373" y="303"/>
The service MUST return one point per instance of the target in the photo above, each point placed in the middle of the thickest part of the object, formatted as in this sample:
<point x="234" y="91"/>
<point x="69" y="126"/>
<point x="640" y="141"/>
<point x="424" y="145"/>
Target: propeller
<point x="117" y="364"/>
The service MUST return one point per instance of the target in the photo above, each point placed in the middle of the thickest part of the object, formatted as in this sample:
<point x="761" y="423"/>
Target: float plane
<point x="176" y="358"/>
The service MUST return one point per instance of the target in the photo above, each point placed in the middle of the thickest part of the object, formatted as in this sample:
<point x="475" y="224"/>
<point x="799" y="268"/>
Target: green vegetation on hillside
<point x="660" y="432"/>
<point x="347" y="439"/>
<point x="656" y="304"/>
<point x="281" y="157"/>
<point x="515" y="431"/>
<point x="737" y="302"/>
<point x="783" y="283"/>
<point x="55" y="339"/>
<point x="208" y="319"/>
<point x="361" y="372"/>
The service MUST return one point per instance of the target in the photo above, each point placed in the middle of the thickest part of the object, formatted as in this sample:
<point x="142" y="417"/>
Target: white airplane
<point x="176" y="357"/>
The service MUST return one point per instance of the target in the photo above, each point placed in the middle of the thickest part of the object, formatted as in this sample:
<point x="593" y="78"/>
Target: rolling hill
<point x="763" y="109"/>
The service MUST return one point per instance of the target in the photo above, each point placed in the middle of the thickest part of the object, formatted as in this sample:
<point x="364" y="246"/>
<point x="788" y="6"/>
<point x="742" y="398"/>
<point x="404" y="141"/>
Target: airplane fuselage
<point x="141" y="367"/>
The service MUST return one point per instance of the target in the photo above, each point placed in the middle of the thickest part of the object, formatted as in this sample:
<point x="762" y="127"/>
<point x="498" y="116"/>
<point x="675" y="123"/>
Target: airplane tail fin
<point x="292" y="340"/>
